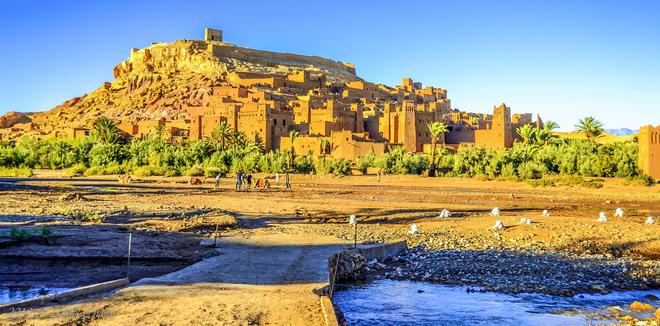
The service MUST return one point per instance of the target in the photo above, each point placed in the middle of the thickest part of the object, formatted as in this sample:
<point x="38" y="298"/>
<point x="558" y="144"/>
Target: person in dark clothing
<point x="249" y="181"/>
<point x="287" y="181"/>
<point x="239" y="180"/>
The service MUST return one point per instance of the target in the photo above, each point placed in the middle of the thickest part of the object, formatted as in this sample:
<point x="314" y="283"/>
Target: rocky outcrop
<point x="13" y="118"/>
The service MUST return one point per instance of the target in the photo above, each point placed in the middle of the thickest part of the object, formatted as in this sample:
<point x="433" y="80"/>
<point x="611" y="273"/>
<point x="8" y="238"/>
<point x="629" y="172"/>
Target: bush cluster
<point x="154" y="155"/>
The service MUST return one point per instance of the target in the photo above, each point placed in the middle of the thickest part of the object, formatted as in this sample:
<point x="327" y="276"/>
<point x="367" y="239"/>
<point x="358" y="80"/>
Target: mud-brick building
<point x="649" y="150"/>
<point x="499" y="132"/>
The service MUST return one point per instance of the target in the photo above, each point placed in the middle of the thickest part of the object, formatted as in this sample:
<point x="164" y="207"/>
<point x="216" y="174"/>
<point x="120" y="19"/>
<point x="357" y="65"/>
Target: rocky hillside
<point x="155" y="82"/>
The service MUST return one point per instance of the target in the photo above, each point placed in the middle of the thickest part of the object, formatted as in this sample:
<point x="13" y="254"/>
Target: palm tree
<point x="60" y="149"/>
<point x="325" y="143"/>
<point x="544" y="135"/>
<point x="106" y="131"/>
<point x="253" y="147"/>
<point x="221" y="135"/>
<point x="474" y="121"/>
<point x="591" y="128"/>
<point x="293" y="134"/>
<point x="527" y="133"/>
<point x="550" y="125"/>
<point x="436" y="129"/>
<point x="238" y="139"/>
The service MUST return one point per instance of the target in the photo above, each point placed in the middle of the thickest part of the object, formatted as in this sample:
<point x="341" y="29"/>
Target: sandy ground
<point x="267" y="270"/>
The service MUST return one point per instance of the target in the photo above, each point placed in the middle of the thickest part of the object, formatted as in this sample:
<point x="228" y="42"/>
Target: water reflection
<point x="387" y="302"/>
<point x="19" y="293"/>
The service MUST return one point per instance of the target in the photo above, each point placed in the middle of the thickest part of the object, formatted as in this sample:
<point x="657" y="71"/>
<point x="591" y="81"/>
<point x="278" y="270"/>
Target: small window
<point x="275" y="122"/>
<point x="283" y="122"/>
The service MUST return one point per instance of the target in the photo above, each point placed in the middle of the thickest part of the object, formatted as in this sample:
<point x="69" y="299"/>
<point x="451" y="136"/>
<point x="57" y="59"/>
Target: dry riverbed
<point x="567" y="252"/>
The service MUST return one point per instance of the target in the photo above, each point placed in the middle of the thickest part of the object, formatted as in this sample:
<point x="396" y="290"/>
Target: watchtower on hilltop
<point x="211" y="34"/>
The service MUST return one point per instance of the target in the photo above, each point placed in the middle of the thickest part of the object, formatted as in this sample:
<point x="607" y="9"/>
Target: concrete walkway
<point x="260" y="260"/>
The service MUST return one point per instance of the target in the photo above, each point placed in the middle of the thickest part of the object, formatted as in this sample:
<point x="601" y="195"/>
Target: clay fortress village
<point x="353" y="115"/>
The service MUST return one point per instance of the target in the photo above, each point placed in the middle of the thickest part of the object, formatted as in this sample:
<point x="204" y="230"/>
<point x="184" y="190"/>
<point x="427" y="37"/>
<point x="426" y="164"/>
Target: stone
<point x="444" y="214"/>
<point x="414" y="230"/>
<point x="618" y="212"/>
<point x="641" y="306"/>
<point x="498" y="225"/>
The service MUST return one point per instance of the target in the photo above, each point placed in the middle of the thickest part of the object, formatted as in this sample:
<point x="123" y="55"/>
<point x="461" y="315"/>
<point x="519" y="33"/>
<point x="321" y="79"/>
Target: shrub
<point x="172" y="172"/>
<point x="147" y="171"/>
<point x="212" y="171"/>
<point x="113" y="169"/>
<point x="47" y="236"/>
<point x="154" y="155"/>
<point x="365" y="162"/>
<point x="323" y="165"/>
<point x="82" y="216"/>
<point x="107" y="154"/>
<point x="20" y="235"/>
<point x="641" y="180"/>
<point x="16" y="172"/>
<point x="78" y="168"/>
<point x="193" y="172"/>
<point x="342" y="167"/>
<point x="530" y="170"/>
<point x="304" y="163"/>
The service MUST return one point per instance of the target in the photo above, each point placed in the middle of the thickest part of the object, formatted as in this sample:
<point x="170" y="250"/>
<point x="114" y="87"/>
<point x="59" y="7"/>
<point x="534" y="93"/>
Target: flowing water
<point x="18" y="293"/>
<point x="386" y="302"/>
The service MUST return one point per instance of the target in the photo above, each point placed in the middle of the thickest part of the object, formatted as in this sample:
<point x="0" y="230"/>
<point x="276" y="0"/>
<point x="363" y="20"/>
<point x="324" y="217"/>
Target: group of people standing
<point x="244" y="181"/>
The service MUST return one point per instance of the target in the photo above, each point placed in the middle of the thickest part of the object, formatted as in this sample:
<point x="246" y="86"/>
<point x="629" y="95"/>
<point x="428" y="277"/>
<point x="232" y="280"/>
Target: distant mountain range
<point x="621" y="131"/>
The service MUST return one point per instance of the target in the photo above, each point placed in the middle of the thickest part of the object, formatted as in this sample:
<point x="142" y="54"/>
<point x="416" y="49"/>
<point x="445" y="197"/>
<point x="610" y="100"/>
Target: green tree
<point x="325" y="144"/>
<point x="293" y="134"/>
<point x="590" y="127"/>
<point x="106" y="131"/>
<point x="238" y="140"/>
<point x="159" y="131"/>
<point x="221" y="135"/>
<point x="527" y="132"/>
<point x="550" y="125"/>
<point x="436" y="129"/>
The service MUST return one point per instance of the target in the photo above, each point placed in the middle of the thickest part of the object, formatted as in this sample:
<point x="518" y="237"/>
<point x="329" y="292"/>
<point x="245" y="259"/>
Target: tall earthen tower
<point x="503" y="132"/>
<point x="649" y="150"/>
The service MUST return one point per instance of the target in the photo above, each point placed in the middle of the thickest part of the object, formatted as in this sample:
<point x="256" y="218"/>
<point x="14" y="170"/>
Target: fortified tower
<point x="211" y="34"/>
<point x="649" y="150"/>
<point x="502" y="130"/>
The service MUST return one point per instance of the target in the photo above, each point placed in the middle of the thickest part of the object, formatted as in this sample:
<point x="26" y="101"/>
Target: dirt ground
<point x="266" y="270"/>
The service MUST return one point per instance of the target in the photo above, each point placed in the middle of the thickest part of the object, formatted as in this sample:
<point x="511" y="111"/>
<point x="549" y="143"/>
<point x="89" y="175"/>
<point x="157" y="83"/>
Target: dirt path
<point x="260" y="259"/>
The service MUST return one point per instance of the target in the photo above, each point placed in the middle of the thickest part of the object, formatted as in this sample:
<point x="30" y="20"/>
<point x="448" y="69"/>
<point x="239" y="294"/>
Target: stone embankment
<point x="517" y="272"/>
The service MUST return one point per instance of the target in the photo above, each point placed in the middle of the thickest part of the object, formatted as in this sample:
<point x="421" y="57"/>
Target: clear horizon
<point x="563" y="60"/>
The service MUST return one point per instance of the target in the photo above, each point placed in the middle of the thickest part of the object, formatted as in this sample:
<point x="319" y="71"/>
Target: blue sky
<point x="563" y="59"/>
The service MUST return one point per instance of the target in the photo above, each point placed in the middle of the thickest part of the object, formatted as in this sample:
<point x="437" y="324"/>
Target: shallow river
<point x="19" y="293"/>
<point x="386" y="302"/>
